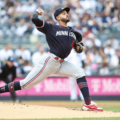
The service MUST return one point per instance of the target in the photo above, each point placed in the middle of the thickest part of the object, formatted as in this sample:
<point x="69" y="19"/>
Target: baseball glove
<point x="78" y="47"/>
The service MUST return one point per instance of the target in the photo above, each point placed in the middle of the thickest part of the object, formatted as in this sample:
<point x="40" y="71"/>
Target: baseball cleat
<point x="92" y="107"/>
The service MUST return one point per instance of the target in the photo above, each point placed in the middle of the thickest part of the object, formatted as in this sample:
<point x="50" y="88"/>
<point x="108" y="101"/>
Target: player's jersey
<point x="60" y="39"/>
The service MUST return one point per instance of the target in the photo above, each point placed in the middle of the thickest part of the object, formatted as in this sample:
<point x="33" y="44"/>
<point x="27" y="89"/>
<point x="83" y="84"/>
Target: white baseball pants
<point x="48" y="65"/>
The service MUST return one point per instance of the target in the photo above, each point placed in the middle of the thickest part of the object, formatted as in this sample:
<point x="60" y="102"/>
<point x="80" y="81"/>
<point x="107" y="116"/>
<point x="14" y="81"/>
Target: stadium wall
<point x="58" y="88"/>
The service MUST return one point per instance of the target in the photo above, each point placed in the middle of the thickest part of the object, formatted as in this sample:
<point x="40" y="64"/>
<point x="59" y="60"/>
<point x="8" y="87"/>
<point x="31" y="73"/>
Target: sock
<point x="82" y="84"/>
<point x="11" y="87"/>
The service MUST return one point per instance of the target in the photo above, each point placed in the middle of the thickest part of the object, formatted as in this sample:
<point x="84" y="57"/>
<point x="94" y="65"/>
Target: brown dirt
<point x="22" y="111"/>
<point x="68" y="104"/>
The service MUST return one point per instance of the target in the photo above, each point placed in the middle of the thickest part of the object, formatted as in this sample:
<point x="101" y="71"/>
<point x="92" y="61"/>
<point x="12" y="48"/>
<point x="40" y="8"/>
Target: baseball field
<point x="57" y="110"/>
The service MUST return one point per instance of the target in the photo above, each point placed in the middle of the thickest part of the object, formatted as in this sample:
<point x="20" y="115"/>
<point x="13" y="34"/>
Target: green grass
<point x="111" y="108"/>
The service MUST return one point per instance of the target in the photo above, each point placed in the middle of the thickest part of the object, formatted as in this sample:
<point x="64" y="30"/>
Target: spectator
<point x="93" y="26"/>
<point x="100" y="6"/>
<point x="101" y="52"/>
<point x="27" y="66"/>
<point x="3" y="53"/>
<point x="96" y="58"/>
<point x="26" y="55"/>
<point x="109" y="51"/>
<point x="92" y="41"/>
<point x="38" y="45"/>
<point x="18" y="52"/>
<point x="109" y="5"/>
<point x="104" y="70"/>
<point x="31" y="6"/>
<point x="21" y="28"/>
<point x="37" y="55"/>
<point x="113" y="42"/>
<point x="114" y="61"/>
<point x="10" y="51"/>
<point x="116" y="16"/>
<point x="106" y="19"/>
<point x="88" y="63"/>
<point x="6" y="52"/>
<point x="21" y="8"/>
<point x="29" y="28"/>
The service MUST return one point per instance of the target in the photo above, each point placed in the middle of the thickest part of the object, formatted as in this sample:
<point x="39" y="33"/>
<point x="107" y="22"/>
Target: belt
<point x="57" y="58"/>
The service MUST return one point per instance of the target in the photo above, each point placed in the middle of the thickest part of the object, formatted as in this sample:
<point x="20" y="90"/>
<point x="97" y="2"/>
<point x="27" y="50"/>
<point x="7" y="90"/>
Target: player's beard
<point x="66" y="20"/>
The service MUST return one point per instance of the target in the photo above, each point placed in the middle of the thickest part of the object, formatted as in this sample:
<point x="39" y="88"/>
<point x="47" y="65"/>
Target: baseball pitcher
<point x="61" y="39"/>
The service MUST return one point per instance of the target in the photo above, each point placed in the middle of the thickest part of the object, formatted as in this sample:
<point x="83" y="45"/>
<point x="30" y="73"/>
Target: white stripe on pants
<point x="46" y="66"/>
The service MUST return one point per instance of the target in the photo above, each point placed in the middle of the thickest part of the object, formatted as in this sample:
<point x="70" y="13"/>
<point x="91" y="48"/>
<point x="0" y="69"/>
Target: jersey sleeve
<point x="78" y="36"/>
<point x="40" y="24"/>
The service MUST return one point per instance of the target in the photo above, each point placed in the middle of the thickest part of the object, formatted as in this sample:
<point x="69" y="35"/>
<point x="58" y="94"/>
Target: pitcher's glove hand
<point x="78" y="47"/>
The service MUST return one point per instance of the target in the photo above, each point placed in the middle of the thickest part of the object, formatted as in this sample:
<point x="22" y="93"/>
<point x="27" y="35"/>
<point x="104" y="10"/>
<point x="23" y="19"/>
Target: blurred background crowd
<point x="97" y="20"/>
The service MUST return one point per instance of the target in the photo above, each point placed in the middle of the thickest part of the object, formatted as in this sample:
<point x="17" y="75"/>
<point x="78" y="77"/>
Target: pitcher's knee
<point x="24" y="88"/>
<point x="24" y="85"/>
<point x="81" y="73"/>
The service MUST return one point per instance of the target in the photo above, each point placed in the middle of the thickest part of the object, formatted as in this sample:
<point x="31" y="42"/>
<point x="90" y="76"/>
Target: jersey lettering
<point x="72" y="35"/>
<point x="66" y="34"/>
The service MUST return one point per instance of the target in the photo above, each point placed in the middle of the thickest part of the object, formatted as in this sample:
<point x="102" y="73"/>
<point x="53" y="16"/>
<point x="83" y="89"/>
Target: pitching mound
<point x="19" y="111"/>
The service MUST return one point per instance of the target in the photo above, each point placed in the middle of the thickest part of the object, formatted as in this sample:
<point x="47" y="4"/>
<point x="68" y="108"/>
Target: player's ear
<point x="58" y="18"/>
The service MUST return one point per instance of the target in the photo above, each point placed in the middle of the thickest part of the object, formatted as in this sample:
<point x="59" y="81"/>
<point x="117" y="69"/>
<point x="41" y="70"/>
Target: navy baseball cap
<point x="59" y="10"/>
<point x="11" y="59"/>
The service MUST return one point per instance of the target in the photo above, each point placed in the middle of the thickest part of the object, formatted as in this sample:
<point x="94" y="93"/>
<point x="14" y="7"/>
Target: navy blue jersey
<point x="60" y="39"/>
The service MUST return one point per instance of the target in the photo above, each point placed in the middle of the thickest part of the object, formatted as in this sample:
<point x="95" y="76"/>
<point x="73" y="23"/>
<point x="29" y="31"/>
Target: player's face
<point x="63" y="16"/>
<point x="10" y="63"/>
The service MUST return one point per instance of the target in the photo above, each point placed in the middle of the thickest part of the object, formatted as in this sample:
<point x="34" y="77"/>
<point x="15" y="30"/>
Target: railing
<point x="114" y="71"/>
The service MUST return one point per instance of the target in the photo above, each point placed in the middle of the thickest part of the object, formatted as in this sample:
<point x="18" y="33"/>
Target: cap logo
<point x="11" y="59"/>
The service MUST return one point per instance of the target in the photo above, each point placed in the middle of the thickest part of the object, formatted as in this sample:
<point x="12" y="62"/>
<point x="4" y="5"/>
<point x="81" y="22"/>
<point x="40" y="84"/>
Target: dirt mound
<point x="67" y="104"/>
<point x="19" y="111"/>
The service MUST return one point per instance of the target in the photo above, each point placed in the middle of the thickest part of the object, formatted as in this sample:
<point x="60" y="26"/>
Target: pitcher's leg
<point x="13" y="94"/>
<point x="41" y="71"/>
<point x="83" y="86"/>
<point x="70" y="70"/>
<point x="37" y="75"/>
